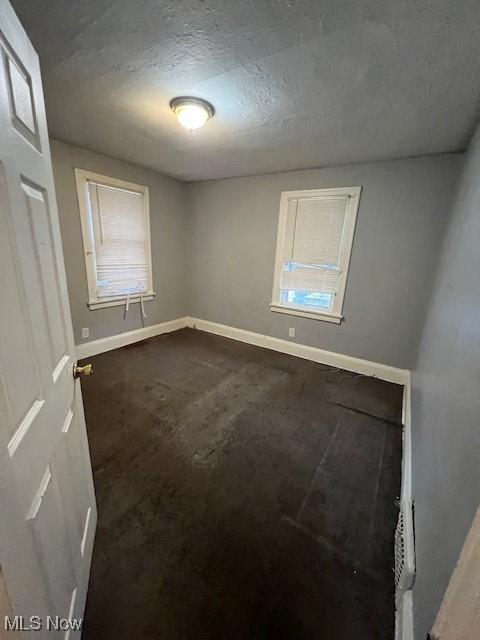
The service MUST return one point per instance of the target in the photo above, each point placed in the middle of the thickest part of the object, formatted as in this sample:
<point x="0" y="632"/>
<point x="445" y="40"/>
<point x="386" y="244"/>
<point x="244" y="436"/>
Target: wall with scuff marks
<point x="232" y="230"/>
<point x="446" y="403"/>
<point x="167" y="228"/>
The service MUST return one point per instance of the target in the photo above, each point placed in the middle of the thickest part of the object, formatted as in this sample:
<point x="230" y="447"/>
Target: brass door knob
<point x="78" y="371"/>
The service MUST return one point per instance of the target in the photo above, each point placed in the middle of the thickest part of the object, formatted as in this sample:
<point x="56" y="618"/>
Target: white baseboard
<point x="94" y="347"/>
<point x="406" y="496"/>
<point x="382" y="371"/>
<point x="404" y="610"/>
<point x="349" y="363"/>
<point x="404" y="618"/>
<point x="407" y="444"/>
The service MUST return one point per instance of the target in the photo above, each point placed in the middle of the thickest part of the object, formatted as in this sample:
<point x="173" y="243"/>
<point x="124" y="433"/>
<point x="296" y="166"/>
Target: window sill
<point x="118" y="302"/>
<point x="313" y="315"/>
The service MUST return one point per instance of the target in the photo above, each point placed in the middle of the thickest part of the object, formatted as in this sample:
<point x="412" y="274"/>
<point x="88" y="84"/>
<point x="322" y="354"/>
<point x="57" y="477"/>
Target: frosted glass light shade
<point x="192" y="113"/>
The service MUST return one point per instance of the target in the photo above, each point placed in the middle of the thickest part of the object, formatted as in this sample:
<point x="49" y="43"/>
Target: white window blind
<point x="312" y="250"/>
<point x="314" y="243"/>
<point x="116" y="238"/>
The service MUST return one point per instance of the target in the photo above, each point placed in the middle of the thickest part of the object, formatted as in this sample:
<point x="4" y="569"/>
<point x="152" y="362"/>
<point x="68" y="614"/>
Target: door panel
<point x="51" y="543"/>
<point x="20" y="94"/>
<point x="43" y="253"/>
<point x="74" y="493"/>
<point x="47" y="500"/>
<point x="22" y="387"/>
<point x="34" y="240"/>
<point x="22" y="104"/>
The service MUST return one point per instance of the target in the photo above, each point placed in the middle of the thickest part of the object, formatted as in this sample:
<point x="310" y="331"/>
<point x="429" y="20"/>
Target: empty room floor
<point x="242" y="494"/>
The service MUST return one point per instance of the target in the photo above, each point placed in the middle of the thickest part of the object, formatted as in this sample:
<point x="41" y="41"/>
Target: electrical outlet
<point x="85" y="332"/>
<point x="291" y="332"/>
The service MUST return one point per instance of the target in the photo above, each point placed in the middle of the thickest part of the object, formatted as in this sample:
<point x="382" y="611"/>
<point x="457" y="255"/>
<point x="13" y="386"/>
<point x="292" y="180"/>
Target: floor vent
<point x="404" y="552"/>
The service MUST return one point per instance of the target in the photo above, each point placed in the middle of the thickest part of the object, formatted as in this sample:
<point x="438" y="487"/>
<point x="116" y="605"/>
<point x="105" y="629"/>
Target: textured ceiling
<point x="295" y="83"/>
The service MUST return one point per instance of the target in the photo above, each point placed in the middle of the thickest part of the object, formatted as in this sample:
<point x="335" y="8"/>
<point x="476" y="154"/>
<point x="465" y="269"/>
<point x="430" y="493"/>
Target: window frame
<point x="82" y="177"/>
<point x="336" y="314"/>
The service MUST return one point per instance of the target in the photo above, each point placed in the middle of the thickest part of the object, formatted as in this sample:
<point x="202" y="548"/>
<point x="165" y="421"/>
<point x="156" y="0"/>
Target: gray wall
<point x="446" y="403"/>
<point x="232" y="231"/>
<point x="167" y="226"/>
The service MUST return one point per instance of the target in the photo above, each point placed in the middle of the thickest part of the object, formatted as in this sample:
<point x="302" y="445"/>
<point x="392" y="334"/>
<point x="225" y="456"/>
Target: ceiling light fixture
<point x="192" y="113"/>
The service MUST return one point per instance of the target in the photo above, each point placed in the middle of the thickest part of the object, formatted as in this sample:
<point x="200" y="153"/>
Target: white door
<point x="47" y="500"/>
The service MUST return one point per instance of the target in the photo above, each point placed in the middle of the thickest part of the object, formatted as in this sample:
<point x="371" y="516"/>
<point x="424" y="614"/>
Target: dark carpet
<point x="242" y="494"/>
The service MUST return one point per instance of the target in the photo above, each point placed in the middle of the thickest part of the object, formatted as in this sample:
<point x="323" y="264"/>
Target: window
<point x="116" y="239"/>
<point x="315" y="236"/>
